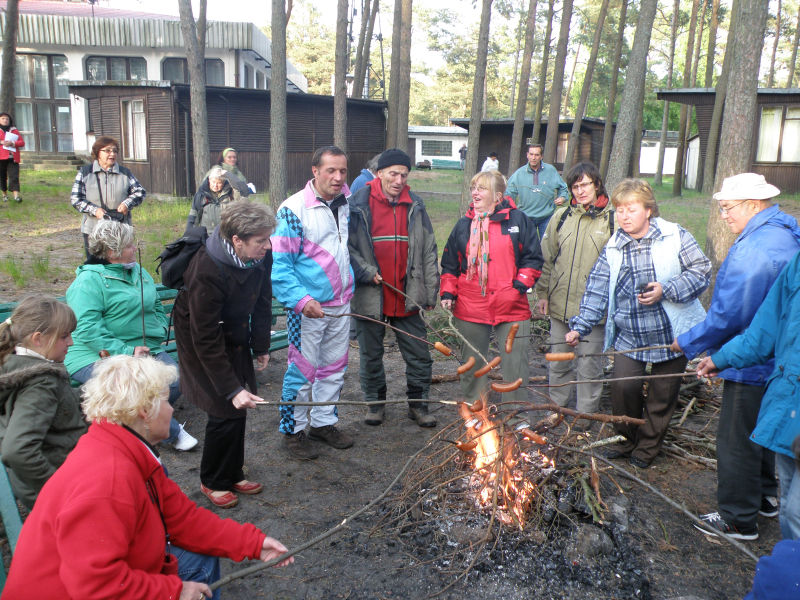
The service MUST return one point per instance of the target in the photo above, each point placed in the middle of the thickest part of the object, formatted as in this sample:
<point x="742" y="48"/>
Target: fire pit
<point x="491" y="501"/>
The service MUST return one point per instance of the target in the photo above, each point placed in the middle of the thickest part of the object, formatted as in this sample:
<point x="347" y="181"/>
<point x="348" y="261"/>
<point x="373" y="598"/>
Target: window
<point x="248" y="76"/>
<point x="215" y="71"/>
<point x="561" y="149"/>
<point x="260" y="80"/>
<point x="437" y="148"/>
<point x="134" y="130"/>
<point x="779" y="135"/>
<point x="116" y="68"/>
<point x="175" y="70"/>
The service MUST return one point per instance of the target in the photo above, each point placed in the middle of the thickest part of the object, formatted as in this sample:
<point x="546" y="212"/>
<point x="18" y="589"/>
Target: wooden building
<point x="151" y="120"/>
<point x="775" y="152"/>
<point x="496" y="137"/>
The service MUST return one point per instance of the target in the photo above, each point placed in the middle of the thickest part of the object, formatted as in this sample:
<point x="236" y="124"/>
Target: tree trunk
<point x="340" y="77"/>
<point x="698" y="44"/>
<point x="574" y="137"/>
<point x="771" y="77"/>
<point x="712" y="44"/>
<point x="394" y="75"/>
<point x="636" y="147"/>
<point x="720" y="92"/>
<point x="7" y="98"/>
<point x="677" y="180"/>
<point x="537" y="116"/>
<point x="793" y="62"/>
<point x="278" y="165"/>
<point x="551" y="137"/>
<point x="405" y="77"/>
<point x="358" y="84"/>
<point x="564" y="110"/>
<point x="619" y="160"/>
<point x="515" y="152"/>
<point x="736" y="140"/>
<point x="361" y="72"/>
<point x="194" y="40"/>
<point x="471" y="162"/>
<point x="515" y="79"/>
<point x="662" y="141"/>
<point x="612" y="92"/>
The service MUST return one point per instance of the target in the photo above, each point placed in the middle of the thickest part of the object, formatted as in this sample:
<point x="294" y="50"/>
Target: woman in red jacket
<point x="10" y="143"/>
<point x="105" y="523"/>
<point x="491" y="259"/>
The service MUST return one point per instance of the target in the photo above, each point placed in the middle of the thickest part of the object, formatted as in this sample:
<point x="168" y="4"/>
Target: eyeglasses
<point x="478" y="188"/>
<point x="577" y="187"/>
<point x="724" y="212"/>
<point x="109" y="150"/>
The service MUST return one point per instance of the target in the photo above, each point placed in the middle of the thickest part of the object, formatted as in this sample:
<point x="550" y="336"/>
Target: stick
<point x="663" y="376"/>
<point x="384" y="323"/>
<point x="421" y="309"/>
<point x="261" y="566"/>
<point x="141" y="291"/>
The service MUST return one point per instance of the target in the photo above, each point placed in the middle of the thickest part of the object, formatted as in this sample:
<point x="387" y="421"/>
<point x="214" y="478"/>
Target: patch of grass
<point x="41" y="267"/>
<point x="11" y="267"/>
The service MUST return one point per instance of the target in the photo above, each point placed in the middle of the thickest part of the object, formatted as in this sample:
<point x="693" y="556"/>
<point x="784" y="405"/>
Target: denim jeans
<point x="83" y="375"/>
<point x="540" y="223"/>
<point x="789" y="478"/>
<point x="197" y="567"/>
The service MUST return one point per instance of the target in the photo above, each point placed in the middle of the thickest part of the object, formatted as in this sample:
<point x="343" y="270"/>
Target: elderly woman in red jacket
<point x="10" y="143"/>
<point x="104" y="524"/>
<point x="491" y="259"/>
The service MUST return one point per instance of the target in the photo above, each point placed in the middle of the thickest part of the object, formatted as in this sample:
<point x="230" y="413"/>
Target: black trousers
<point x="745" y="470"/>
<point x="223" y="453"/>
<point x="9" y="175"/>
<point x="627" y="398"/>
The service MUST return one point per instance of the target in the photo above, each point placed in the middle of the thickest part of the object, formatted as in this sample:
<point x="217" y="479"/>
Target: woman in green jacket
<point x="571" y="244"/>
<point x="40" y="414"/>
<point x="118" y="310"/>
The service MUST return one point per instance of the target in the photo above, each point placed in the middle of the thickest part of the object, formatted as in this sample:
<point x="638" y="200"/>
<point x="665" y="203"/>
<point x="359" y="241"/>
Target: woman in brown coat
<point x="222" y="320"/>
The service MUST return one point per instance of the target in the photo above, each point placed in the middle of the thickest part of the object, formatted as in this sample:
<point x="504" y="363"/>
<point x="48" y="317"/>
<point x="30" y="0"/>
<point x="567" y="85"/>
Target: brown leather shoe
<point x="299" y="447"/>
<point x="375" y="414"/>
<point x="247" y="487"/>
<point x="331" y="436"/>
<point x="419" y="413"/>
<point x="220" y="499"/>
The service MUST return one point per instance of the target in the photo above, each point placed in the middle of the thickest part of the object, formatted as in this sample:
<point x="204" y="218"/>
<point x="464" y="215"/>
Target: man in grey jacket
<point x="392" y="247"/>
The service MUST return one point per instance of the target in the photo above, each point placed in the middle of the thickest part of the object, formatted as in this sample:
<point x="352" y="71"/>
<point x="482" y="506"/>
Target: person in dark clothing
<point x="391" y="242"/>
<point x="222" y="315"/>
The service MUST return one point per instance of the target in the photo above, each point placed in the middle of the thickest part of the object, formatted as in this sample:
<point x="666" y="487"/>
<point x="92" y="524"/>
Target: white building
<point x="436" y="143"/>
<point x="60" y="42"/>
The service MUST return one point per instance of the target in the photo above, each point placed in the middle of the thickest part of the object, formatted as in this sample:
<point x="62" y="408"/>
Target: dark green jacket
<point x="422" y="278"/>
<point x="40" y="422"/>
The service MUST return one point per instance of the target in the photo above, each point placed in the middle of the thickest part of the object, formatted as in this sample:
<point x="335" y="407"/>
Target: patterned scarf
<point x="478" y="250"/>
<point x="239" y="262"/>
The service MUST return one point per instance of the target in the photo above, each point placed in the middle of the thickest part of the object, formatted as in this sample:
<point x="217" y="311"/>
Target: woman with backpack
<point x="214" y="193"/>
<point x="571" y="244"/>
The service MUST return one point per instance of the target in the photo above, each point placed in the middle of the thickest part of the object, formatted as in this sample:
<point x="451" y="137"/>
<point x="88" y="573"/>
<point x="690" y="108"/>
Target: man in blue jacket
<point x="767" y="240"/>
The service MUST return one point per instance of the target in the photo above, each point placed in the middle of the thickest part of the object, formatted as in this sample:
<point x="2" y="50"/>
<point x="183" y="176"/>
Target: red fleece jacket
<point x="95" y="532"/>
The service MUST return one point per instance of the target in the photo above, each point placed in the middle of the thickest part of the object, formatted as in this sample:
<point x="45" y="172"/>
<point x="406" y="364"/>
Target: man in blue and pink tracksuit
<point x="312" y="277"/>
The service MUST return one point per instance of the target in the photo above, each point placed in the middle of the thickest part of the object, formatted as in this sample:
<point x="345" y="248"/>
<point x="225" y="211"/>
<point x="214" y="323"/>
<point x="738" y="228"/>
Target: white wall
<point x="456" y="141"/>
<point x="648" y="160"/>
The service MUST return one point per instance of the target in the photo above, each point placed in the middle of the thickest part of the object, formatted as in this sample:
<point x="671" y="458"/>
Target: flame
<point x="498" y="474"/>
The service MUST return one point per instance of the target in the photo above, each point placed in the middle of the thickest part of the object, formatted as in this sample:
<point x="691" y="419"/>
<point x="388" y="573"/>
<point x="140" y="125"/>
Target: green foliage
<point x="11" y="267"/>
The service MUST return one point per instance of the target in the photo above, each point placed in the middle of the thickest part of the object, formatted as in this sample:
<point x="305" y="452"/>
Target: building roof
<point x="695" y="96"/>
<point x="431" y="130"/>
<point x="465" y="121"/>
<point x="46" y="23"/>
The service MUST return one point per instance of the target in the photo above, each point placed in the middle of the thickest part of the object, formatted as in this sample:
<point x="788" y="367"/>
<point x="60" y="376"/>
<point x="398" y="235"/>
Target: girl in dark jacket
<point x="40" y="414"/>
<point x="491" y="259"/>
<point x="222" y="320"/>
<point x="10" y="143"/>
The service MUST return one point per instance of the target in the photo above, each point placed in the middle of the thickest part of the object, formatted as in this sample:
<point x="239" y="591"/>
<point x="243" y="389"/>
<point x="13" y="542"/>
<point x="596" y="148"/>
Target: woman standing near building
<point x="10" y="143"/>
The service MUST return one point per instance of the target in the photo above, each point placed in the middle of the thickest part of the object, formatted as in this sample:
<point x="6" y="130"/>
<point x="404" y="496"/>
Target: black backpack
<point x="176" y="256"/>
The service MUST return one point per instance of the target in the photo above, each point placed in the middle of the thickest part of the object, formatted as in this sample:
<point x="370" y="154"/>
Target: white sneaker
<point x="185" y="441"/>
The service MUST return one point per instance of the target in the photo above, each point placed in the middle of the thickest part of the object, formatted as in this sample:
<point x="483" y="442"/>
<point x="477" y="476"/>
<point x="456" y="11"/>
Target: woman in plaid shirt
<point x="647" y="280"/>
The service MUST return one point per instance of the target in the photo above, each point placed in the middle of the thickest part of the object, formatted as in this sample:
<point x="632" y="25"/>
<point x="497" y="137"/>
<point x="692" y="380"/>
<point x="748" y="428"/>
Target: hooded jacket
<point x="571" y="244"/>
<point x="40" y="422"/>
<point x="222" y="319"/>
<point x="97" y="530"/>
<point x="767" y="243"/>
<point x="18" y="144"/>
<point x="107" y="301"/>
<point x="207" y="206"/>
<point x="421" y="279"/>
<point x="514" y="266"/>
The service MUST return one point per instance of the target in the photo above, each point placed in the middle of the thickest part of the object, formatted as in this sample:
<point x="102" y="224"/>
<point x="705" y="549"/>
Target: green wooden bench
<point x="12" y="522"/>
<point x="443" y="163"/>
<point x="278" y="340"/>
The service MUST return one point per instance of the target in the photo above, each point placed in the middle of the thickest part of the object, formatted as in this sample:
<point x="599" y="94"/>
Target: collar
<point x="96" y="168"/>
<point x="377" y="193"/>
<point x="758" y="220"/>
<point x="594" y="209"/>
<point x="147" y="444"/>
<point x="23" y="351"/>
<point x="653" y="232"/>
<point x="312" y="198"/>
<point x="539" y="170"/>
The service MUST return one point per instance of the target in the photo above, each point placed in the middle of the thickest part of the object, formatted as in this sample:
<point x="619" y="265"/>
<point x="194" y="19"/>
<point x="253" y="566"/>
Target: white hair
<point x="110" y="238"/>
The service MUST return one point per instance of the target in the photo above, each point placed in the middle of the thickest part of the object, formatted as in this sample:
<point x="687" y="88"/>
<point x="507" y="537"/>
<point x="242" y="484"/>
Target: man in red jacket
<point x="392" y="247"/>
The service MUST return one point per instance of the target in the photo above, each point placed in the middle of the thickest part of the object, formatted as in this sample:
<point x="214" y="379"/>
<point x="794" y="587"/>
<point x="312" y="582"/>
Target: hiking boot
<point x="639" y="463"/>
<point x="769" y="507"/>
<point x="714" y="525"/>
<point x="419" y="413"/>
<point x="299" y="447"/>
<point x="331" y="436"/>
<point x="375" y="414"/>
